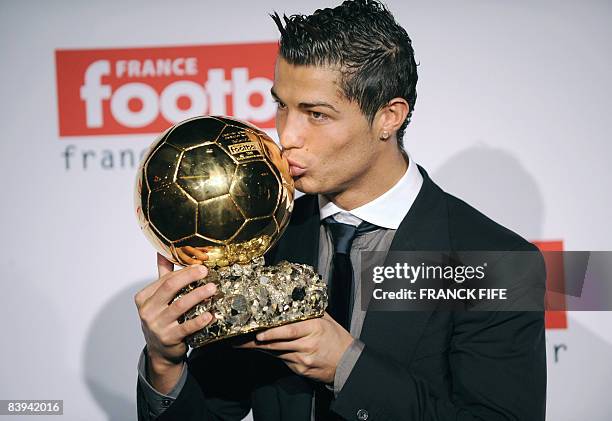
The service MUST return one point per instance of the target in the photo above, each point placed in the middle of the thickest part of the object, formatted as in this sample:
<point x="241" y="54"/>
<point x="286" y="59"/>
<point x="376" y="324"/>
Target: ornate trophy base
<point x="253" y="297"/>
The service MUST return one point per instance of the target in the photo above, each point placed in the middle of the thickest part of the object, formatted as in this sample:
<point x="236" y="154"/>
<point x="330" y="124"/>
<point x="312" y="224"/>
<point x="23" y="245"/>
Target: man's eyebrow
<point x="317" y="104"/>
<point x="307" y="104"/>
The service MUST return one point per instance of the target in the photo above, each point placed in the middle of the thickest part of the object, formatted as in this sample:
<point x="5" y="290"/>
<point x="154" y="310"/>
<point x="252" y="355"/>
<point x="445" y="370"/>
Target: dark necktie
<point x="340" y="287"/>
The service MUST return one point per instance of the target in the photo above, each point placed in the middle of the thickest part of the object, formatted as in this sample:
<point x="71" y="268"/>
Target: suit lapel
<point x="425" y="227"/>
<point x="300" y="242"/>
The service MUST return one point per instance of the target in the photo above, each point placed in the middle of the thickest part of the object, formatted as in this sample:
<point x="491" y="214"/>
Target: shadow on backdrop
<point x="113" y="344"/>
<point x="496" y="183"/>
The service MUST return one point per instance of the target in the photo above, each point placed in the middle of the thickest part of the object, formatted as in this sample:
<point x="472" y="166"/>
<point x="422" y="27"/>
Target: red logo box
<point x="146" y="90"/>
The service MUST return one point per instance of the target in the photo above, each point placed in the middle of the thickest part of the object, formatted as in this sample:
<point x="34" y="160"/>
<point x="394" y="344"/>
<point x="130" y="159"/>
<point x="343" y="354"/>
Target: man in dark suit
<point x="345" y="84"/>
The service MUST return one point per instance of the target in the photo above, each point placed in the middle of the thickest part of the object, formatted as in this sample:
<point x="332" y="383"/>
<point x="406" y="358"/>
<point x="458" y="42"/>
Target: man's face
<point x="326" y="138"/>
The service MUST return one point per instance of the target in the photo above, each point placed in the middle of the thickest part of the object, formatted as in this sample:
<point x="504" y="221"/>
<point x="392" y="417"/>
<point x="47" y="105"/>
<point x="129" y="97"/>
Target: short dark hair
<point x="372" y="51"/>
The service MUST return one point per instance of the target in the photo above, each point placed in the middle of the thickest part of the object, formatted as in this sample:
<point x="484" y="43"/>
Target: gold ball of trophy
<point x="216" y="191"/>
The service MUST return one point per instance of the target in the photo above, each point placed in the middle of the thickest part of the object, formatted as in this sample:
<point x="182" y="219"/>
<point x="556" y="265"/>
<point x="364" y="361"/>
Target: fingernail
<point x="212" y="288"/>
<point x="260" y="336"/>
<point x="203" y="270"/>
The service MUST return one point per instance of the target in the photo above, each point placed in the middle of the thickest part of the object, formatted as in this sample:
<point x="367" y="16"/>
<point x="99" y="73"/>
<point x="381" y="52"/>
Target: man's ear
<point x="390" y="118"/>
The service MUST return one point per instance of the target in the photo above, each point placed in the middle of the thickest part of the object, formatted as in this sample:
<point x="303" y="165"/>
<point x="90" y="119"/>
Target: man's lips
<point x="295" y="168"/>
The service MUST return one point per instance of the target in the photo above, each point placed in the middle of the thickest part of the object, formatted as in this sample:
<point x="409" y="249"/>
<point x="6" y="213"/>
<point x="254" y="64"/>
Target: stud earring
<point x="385" y="135"/>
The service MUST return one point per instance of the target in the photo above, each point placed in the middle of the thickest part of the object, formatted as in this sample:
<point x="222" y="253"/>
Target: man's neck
<point x="372" y="184"/>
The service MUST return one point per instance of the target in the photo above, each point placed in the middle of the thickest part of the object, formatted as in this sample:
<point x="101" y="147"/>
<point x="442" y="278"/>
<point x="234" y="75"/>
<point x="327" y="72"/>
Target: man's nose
<point x="291" y="135"/>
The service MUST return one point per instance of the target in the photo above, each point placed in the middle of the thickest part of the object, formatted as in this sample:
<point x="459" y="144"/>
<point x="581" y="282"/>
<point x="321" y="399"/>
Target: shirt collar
<point x="387" y="210"/>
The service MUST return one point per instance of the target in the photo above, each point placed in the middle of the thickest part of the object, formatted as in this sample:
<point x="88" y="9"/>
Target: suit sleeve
<point x="156" y="402"/>
<point x="495" y="365"/>
<point x="217" y="387"/>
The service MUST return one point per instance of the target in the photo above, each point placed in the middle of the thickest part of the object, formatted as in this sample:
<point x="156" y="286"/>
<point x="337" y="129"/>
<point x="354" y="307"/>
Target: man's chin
<point x="304" y="185"/>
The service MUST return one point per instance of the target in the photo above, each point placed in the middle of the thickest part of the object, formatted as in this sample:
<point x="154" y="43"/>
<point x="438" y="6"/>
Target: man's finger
<point x="326" y="316"/>
<point x="196" y="252"/>
<point x="179" y="331"/>
<point x="171" y="284"/>
<point x="247" y="345"/>
<point x="290" y="358"/>
<point x="285" y="333"/>
<point x="164" y="265"/>
<point x="186" y="258"/>
<point x="278" y="349"/>
<point x="187" y="301"/>
<point x="279" y="346"/>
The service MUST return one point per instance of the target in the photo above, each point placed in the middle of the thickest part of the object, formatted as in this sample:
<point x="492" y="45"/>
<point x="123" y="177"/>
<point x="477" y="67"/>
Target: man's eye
<point x="317" y="115"/>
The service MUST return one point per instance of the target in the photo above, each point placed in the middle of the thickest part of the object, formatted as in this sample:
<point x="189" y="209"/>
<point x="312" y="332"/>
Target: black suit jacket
<point x="425" y="365"/>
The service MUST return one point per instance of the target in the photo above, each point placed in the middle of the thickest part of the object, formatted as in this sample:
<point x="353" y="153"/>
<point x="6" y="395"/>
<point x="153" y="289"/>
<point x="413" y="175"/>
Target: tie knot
<point x="344" y="234"/>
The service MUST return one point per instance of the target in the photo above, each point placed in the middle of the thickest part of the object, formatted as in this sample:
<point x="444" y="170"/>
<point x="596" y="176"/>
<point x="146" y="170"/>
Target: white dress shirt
<point x="384" y="210"/>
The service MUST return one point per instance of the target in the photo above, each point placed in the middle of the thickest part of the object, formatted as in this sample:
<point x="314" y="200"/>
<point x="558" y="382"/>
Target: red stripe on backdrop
<point x="555" y="281"/>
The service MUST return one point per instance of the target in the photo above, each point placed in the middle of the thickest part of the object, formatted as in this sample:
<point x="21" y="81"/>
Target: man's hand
<point x="311" y="348"/>
<point x="163" y="333"/>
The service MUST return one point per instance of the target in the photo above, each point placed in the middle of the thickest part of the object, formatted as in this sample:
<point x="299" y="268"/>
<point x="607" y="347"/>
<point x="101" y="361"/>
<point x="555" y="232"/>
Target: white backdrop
<point x="519" y="91"/>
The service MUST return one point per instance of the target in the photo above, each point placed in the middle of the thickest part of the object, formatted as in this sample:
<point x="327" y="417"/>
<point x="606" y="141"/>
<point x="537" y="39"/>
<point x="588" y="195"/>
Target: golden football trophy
<point x="217" y="191"/>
